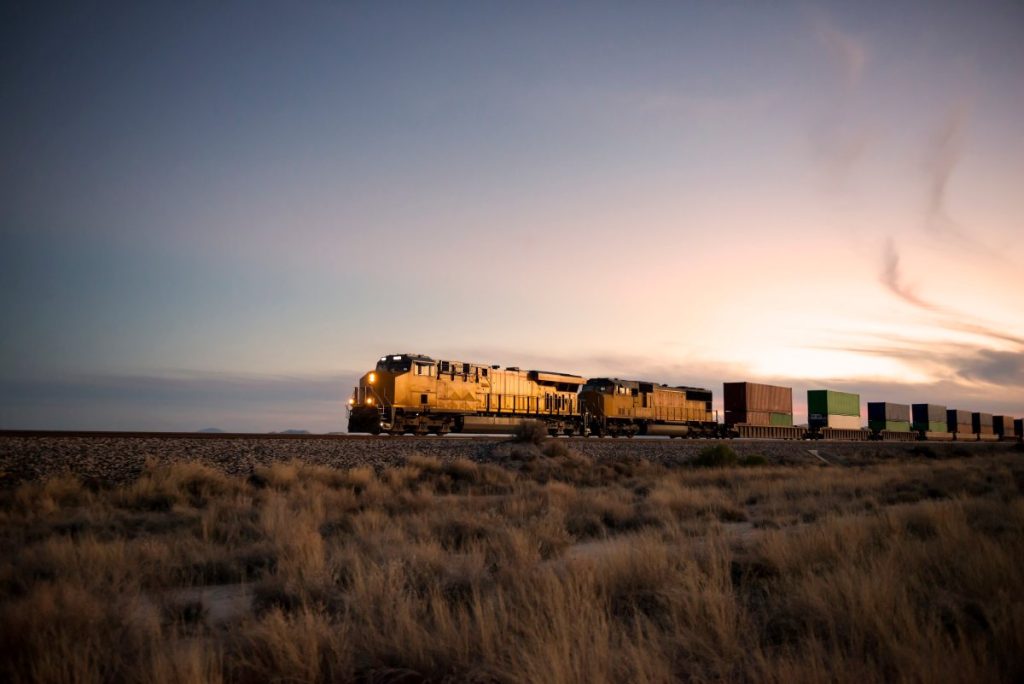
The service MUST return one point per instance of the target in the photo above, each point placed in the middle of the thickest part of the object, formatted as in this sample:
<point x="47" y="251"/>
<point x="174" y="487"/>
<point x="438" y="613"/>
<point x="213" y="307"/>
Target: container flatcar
<point x="761" y="411"/>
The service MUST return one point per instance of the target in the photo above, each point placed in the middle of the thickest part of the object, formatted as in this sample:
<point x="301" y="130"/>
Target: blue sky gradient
<point x="219" y="214"/>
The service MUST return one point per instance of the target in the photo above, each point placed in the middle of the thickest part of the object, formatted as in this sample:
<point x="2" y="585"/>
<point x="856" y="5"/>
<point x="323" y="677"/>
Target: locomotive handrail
<point x="382" y="401"/>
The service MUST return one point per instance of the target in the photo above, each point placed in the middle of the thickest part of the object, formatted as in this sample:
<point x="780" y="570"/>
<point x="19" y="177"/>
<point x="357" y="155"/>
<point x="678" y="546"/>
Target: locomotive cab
<point x="371" y="407"/>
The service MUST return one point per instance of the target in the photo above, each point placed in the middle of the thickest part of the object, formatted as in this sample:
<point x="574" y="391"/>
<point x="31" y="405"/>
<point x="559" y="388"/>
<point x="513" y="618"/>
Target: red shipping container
<point x="752" y="396"/>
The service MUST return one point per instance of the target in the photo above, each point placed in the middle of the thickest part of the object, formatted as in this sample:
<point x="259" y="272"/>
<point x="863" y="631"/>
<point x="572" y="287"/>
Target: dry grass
<point x="549" y="567"/>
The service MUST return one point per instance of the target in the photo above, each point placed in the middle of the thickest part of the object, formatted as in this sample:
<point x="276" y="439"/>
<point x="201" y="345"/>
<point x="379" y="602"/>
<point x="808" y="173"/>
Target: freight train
<point x="413" y="393"/>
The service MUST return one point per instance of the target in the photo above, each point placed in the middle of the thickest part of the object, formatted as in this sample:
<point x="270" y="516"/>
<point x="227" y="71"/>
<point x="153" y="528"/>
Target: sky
<point x="221" y="214"/>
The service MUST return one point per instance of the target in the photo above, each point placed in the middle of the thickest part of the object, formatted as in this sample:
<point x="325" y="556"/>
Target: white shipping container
<point x="844" y="422"/>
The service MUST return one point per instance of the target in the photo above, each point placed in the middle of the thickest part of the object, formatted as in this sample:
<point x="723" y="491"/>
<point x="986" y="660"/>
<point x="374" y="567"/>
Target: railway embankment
<point x="119" y="458"/>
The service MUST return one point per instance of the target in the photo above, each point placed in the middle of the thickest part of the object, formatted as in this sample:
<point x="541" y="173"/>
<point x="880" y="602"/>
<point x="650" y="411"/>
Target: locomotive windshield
<point x="603" y="385"/>
<point x="401" y="363"/>
<point x="398" y="363"/>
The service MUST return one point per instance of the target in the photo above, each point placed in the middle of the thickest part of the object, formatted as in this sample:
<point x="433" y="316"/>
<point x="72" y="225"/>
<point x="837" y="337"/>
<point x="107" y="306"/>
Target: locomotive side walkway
<point x="121" y="457"/>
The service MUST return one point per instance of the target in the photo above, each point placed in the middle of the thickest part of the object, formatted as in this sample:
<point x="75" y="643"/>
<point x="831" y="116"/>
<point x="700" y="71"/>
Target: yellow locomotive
<point x="631" y="407"/>
<point x="418" y="394"/>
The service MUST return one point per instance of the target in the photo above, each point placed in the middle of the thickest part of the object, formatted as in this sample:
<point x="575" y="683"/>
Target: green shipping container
<point x="891" y="425"/>
<point x="785" y="419"/>
<point x="932" y="426"/>
<point x="830" y="403"/>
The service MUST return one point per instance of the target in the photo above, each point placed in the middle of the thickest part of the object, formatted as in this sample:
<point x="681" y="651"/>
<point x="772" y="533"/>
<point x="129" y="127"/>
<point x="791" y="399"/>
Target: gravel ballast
<point x="118" y="459"/>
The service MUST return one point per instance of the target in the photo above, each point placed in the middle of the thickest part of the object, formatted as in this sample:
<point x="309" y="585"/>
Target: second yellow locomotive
<point x="633" y="407"/>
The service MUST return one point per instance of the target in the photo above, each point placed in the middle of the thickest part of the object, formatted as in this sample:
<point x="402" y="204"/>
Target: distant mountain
<point x="294" y="432"/>
<point x="212" y="430"/>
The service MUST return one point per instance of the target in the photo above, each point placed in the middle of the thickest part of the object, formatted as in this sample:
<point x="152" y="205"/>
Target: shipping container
<point x="928" y="413"/>
<point x="884" y="411"/>
<point x="752" y="396"/>
<point x="889" y="425"/>
<point x="1002" y="426"/>
<point x="1018" y="427"/>
<point x="733" y="417"/>
<point x="981" y="424"/>
<point x="958" y="421"/>
<point x="831" y="403"/>
<point x="840" y="422"/>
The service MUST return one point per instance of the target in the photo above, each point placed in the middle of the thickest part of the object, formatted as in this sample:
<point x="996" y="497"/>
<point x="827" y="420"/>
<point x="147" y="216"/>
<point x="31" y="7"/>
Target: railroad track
<point x="345" y="437"/>
<point x="116" y="434"/>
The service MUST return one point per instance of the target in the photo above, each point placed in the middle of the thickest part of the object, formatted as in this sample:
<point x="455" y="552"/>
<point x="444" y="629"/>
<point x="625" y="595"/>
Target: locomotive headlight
<point x="373" y="378"/>
<point x="369" y="401"/>
<point x="351" y="402"/>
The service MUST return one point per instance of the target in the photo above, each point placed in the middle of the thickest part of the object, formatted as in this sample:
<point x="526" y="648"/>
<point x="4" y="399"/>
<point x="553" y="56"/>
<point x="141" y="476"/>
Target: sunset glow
<point x="224" y="215"/>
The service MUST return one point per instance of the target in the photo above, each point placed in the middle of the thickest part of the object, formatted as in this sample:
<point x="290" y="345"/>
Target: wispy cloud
<point x="995" y="367"/>
<point x="838" y="139"/>
<point x="966" y="372"/>
<point x="945" y="148"/>
<point x="891" y="277"/>
<point x="848" y="53"/>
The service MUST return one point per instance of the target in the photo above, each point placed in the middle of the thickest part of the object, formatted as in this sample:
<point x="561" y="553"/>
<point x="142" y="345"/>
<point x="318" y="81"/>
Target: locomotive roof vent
<point x="553" y="378"/>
